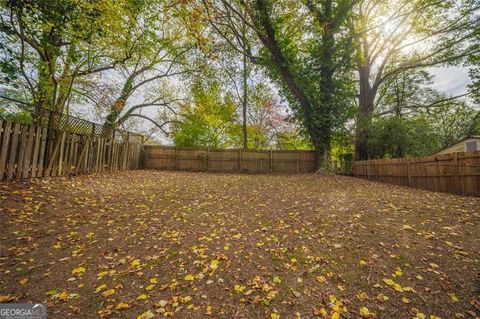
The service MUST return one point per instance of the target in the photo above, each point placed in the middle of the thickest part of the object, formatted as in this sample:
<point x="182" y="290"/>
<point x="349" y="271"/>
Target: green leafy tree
<point x="209" y="119"/>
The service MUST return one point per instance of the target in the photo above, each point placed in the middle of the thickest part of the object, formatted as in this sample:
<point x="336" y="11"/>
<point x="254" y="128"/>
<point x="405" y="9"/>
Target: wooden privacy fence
<point x="28" y="151"/>
<point x="457" y="173"/>
<point x="233" y="160"/>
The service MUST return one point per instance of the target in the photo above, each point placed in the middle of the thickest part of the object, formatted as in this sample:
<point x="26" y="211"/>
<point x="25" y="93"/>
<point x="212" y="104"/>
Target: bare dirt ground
<point x="193" y="245"/>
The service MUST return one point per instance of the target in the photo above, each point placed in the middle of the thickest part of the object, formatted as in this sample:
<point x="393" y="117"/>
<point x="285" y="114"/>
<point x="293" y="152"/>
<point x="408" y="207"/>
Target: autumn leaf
<point x="100" y="288"/>
<point x="7" y="298"/>
<point x="135" y="263"/>
<point x="365" y="312"/>
<point x="146" y="315"/>
<point x="108" y="293"/>
<point x="320" y="279"/>
<point x="189" y="277"/>
<point x="239" y="288"/>
<point x="24" y="281"/>
<point x="393" y="284"/>
<point x="78" y="271"/>
<point x="214" y="264"/>
<point x="122" y="306"/>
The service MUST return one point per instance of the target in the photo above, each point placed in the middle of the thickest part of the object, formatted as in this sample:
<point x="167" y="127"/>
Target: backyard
<point x="194" y="245"/>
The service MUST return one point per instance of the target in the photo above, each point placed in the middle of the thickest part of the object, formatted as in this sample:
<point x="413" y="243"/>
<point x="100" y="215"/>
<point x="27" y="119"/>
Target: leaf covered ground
<point x="193" y="245"/>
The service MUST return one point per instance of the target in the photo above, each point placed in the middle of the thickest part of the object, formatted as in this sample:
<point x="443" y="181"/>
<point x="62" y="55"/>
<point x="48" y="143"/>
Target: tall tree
<point x="311" y="68"/>
<point x="53" y="42"/>
<point x="397" y="36"/>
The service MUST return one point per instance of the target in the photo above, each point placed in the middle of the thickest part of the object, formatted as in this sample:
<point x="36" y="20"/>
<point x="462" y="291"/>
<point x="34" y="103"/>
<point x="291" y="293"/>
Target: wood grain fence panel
<point x="229" y="160"/>
<point x="7" y="126"/>
<point x="457" y="173"/>
<point x="28" y="151"/>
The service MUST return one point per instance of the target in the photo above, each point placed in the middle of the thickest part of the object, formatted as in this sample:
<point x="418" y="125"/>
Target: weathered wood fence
<point x="28" y="151"/>
<point x="457" y="173"/>
<point x="233" y="160"/>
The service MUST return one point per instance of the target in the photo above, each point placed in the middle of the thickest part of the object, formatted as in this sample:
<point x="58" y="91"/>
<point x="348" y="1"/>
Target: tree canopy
<point x="337" y="76"/>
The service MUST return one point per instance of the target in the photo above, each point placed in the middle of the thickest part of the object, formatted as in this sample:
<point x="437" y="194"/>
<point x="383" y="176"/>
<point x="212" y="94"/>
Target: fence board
<point x="7" y="126"/>
<point x="34" y="151"/>
<point x="457" y="173"/>
<point x="229" y="160"/>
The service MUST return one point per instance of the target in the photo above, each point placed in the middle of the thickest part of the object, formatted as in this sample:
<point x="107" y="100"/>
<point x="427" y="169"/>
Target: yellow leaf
<point x="393" y="284"/>
<point x="274" y="315"/>
<point x="122" y="305"/>
<point x="362" y="296"/>
<point x="135" y="263"/>
<point x="214" y="264"/>
<point x="405" y="300"/>
<point x="364" y="312"/>
<point x="335" y="315"/>
<point x="63" y="295"/>
<point x="102" y="274"/>
<point x="78" y="271"/>
<point x="24" y="281"/>
<point x="407" y="227"/>
<point x="277" y="280"/>
<point x="101" y="287"/>
<point x="153" y="280"/>
<point x="162" y="303"/>
<point x="363" y="263"/>
<point x="57" y="246"/>
<point x="453" y="296"/>
<point x="239" y="288"/>
<point x="108" y="292"/>
<point x="146" y="315"/>
<point x="149" y="287"/>
<point x="208" y="310"/>
<point x="320" y="279"/>
<point x="189" y="277"/>
<point x="142" y="297"/>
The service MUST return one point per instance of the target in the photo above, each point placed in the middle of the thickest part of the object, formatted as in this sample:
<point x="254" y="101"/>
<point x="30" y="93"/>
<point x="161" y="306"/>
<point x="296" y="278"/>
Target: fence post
<point x="175" y="156"/>
<point x="298" y="162"/>
<point x="409" y="174"/>
<point x="270" y="161"/>
<point x="206" y="160"/>
<point x="239" y="159"/>
<point x="458" y="186"/>
<point x="368" y="171"/>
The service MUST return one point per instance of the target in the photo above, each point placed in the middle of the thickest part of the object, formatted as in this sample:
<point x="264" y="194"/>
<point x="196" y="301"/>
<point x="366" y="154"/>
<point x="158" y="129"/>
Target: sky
<point x="452" y="80"/>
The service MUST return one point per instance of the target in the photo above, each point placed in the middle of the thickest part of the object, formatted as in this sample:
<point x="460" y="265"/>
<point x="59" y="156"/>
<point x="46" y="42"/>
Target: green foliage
<point x="17" y="116"/>
<point x="394" y="137"/>
<point x="209" y="121"/>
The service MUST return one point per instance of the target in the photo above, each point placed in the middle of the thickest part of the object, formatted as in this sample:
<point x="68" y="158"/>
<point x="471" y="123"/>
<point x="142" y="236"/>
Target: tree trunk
<point x="364" y="114"/>
<point x="245" y="97"/>
<point x="111" y="121"/>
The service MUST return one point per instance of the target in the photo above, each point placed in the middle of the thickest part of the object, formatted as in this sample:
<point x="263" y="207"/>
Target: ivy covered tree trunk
<point x="364" y="114"/>
<point x="45" y="94"/>
<point x="111" y="122"/>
